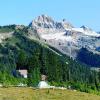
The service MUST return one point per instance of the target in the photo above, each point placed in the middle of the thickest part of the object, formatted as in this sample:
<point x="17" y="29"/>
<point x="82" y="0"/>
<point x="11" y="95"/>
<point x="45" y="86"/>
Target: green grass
<point x="18" y="93"/>
<point x="5" y="30"/>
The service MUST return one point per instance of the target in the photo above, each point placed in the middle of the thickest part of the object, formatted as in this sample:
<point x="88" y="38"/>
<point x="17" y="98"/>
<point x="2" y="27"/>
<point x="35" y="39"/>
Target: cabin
<point x="23" y="72"/>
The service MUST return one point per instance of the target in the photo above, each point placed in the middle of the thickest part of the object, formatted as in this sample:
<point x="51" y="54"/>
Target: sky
<point x="77" y="12"/>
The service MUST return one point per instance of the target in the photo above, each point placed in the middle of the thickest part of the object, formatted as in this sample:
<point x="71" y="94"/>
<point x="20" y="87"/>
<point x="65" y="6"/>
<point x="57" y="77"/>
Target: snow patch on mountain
<point x="86" y="32"/>
<point x="57" y="36"/>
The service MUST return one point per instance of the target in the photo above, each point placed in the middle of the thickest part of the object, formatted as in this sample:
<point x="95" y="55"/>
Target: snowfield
<point x="86" y="32"/>
<point x="57" y="36"/>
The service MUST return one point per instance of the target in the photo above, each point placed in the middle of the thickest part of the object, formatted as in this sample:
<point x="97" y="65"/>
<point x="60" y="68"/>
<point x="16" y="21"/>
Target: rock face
<point x="63" y="36"/>
<point x="45" y="24"/>
<point x="4" y="36"/>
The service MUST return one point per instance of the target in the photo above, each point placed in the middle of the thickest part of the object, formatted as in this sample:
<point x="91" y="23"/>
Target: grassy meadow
<point x="19" y="93"/>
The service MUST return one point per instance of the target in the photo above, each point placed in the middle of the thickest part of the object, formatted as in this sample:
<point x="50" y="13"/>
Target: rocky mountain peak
<point x="66" y="24"/>
<point x="44" y="19"/>
<point x="85" y="28"/>
<point x="46" y="23"/>
<point x="63" y="36"/>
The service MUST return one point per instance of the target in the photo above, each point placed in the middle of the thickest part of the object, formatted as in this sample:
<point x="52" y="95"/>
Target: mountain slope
<point x="25" y="48"/>
<point x="20" y="52"/>
<point x="64" y="37"/>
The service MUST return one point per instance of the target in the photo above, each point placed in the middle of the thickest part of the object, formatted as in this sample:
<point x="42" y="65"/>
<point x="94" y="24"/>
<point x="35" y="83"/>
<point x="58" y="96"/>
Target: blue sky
<point x="78" y="12"/>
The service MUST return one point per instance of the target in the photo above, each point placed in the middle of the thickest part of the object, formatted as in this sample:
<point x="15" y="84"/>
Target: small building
<point x="23" y="72"/>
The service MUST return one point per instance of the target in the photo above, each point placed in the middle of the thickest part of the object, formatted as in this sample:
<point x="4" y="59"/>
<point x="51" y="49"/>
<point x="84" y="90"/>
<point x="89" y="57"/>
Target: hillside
<point x="21" y="52"/>
<point x="36" y="94"/>
<point x="67" y="38"/>
<point x="64" y="36"/>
